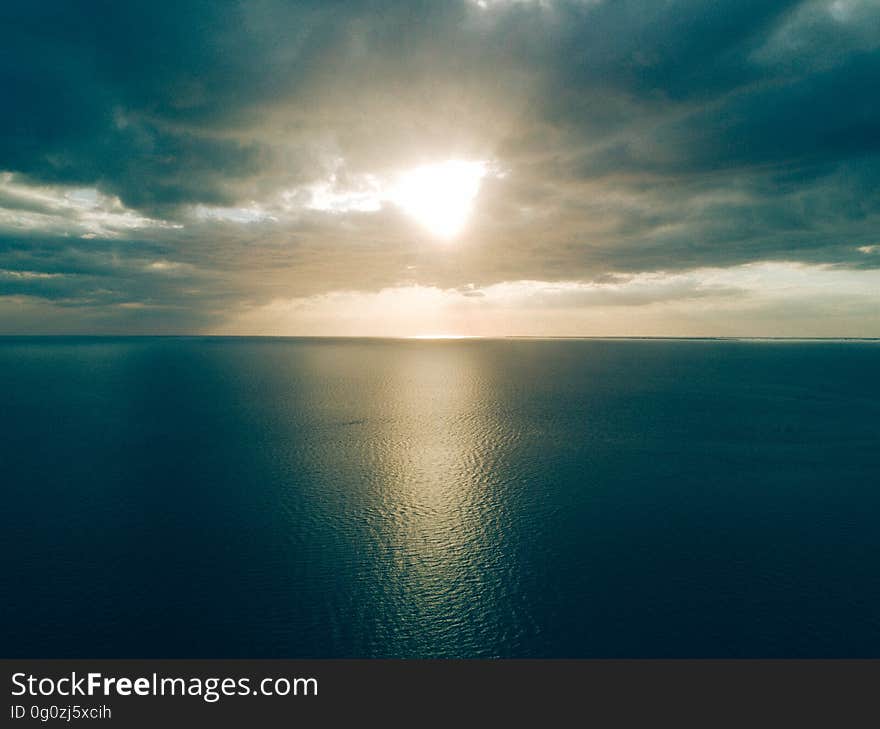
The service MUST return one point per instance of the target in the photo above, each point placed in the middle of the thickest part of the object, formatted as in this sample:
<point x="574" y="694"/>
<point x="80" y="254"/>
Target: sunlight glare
<point x="440" y="196"/>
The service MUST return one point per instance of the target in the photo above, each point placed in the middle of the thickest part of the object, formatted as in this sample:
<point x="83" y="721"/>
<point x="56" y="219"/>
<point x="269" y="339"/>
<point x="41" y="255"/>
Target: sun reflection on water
<point x="440" y="499"/>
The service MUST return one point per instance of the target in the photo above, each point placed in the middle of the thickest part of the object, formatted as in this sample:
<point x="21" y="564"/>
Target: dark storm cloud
<point x="161" y="103"/>
<point x="633" y="136"/>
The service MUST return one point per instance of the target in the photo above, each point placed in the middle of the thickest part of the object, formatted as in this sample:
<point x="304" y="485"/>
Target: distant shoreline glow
<point x="443" y="336"/>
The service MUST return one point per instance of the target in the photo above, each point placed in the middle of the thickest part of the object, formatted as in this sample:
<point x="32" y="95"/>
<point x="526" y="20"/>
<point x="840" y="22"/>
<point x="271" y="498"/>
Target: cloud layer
<point x="179" y="166"/>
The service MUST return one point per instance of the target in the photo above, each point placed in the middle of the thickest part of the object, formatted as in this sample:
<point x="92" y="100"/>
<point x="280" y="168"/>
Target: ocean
<point x="306" y="498"/>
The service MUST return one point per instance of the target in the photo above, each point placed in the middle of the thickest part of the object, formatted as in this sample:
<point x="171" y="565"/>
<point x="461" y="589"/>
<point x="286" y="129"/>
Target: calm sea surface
<point x="358" y="498"/>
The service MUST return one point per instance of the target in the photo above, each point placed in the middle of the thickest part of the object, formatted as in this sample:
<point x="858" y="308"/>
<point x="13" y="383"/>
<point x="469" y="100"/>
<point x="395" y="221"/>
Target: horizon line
<point x="439" y="338"/>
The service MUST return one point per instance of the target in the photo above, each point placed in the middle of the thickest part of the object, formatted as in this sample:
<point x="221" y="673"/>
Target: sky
<point x="482" y="168"/>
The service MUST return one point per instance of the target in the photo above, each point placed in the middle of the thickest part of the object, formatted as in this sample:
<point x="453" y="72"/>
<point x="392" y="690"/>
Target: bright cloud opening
<point x="440" y="196"/>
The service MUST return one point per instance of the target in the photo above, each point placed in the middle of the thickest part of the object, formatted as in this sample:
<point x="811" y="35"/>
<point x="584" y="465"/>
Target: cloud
<point x="246" y="146"/>
<point x="779" y="299"/>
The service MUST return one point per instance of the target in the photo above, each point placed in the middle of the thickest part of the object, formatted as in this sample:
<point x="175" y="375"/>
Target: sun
<point x="440" y="196"/>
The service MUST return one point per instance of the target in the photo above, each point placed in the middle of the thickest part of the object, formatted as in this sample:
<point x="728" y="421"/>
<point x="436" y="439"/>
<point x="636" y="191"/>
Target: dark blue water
<point x="322" y="498"/>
